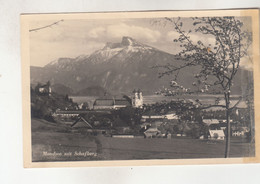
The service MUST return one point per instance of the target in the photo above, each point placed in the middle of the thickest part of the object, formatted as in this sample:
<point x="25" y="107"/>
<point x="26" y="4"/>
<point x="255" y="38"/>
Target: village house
<point x="238" y="133"/>
<point x="81" y="122"/>
<point x="236" y="128"/>
<point x="210" y="121"/>
<point x="83" y="106"/>
<point x="112" y="103"/>
<point x="145" y="125"/>
<point x="64" y="113"/>
<point x="216" y="134"/>
<point x="100" y="104"/>
<point x="103" y="104"/>
<point x="121" y="103"/>
<point x="152" y="132"/>
<point x="155" y="116"/>
<point x="43" y="89"/>
<point x="122" y="136"/>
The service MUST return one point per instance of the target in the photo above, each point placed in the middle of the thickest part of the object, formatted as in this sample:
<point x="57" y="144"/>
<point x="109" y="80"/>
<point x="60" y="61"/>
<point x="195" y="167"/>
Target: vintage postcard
<point x="140" y="88"/>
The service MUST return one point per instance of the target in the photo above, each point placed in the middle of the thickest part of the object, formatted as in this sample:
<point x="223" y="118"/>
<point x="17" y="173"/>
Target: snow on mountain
<point x="81" y="57"/>
<point x="132" y="45"/>
<point x="61" y="63"/>
<point x="104" y="54"/>
<point x="127" y="46"/>
<point x="118" y="68"/>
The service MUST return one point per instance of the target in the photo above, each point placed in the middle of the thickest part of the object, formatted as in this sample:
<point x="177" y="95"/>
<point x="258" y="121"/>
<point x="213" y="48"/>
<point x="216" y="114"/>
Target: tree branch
<point x="39" y="28"/>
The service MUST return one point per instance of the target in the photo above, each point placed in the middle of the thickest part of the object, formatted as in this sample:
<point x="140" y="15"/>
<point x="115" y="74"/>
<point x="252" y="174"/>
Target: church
<point x="113" y="103"/>
<point x="137" y="100"/>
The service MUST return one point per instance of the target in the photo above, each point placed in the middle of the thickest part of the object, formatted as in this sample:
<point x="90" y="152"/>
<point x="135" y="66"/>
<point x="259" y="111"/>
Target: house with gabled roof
<point x="121" y="103"/>
<point x="81" y="122"/>
<point x="210" y="121"/>
<point x="216" y="134"/>
<point x="103" y="104"/>
<point x="152" y="132"/>
<point x="110" y="103"/>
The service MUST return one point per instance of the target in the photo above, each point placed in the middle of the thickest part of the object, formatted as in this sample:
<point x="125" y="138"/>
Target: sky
<point x="72" y="38"/>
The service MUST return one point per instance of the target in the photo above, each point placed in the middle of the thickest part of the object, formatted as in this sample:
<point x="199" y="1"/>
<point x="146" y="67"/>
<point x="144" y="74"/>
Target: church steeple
<point x="137" y="100"/>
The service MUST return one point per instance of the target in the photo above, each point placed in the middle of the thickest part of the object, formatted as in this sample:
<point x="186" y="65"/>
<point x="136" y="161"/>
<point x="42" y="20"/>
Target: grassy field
<point x="52" y="142"/>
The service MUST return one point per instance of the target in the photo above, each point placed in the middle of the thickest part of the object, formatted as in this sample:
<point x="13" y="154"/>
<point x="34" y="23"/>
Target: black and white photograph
<point x="139" y="86"/>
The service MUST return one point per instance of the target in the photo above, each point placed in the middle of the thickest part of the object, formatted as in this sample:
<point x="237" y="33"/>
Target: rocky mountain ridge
<point x="116" y="68"/>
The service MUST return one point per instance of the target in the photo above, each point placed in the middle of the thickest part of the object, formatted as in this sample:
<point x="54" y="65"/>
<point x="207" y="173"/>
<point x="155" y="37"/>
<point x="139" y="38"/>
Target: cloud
<point x="122" y="29"/>
<point x="171" y="35"/>
<point x="96" y="32"/>
<point x="41" y="53"/>
<point x="73" y="38"/>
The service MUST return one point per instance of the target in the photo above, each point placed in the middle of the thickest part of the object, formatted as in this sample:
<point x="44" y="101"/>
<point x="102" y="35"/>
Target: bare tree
<point x="218" y="61"/>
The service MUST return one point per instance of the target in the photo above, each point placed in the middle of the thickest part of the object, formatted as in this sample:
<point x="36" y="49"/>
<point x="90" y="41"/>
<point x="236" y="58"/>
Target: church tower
<point x="137" y="100"/>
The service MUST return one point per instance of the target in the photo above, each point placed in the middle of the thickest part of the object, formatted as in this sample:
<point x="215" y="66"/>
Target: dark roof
<point x="122" y="102"/>
<point x="214" y="126"/>
<point x="222" y="124"/>
<point x="111" y="102"/>
<point x="67" y="112"/>
<point x="104" y="102"/>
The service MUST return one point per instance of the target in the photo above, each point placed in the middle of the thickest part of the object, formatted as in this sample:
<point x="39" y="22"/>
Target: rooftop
<point x="111" y="102"/>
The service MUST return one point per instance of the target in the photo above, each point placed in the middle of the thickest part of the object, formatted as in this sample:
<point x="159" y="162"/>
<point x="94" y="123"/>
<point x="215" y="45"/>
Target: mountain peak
<point x="128" y="46"/>
<point x="128" y="41"/>
<point x="110" y="45"/>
